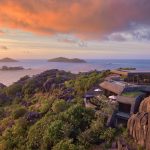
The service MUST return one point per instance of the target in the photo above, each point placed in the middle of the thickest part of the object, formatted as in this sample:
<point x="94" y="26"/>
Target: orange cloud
<point x="82" y="17"/>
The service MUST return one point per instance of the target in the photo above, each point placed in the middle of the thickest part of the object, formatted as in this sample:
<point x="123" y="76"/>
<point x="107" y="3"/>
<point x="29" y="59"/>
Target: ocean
<point x="37" y="66"/>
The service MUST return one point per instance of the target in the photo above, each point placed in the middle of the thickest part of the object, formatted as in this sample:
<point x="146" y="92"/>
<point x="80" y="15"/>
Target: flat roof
<point x="130" y="72"/>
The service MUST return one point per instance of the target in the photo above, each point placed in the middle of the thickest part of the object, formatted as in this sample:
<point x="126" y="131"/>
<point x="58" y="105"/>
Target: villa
<point x="129" y="88"/>
<point x="125" y="88"/>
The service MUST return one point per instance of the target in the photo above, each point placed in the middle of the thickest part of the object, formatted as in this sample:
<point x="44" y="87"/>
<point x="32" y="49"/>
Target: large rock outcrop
<point x="139" y="124"/>
<point x="145" y="105"/>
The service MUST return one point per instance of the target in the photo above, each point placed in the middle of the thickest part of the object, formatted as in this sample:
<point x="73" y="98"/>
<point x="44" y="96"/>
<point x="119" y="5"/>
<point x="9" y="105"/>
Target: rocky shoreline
<point x="6" y="68"/>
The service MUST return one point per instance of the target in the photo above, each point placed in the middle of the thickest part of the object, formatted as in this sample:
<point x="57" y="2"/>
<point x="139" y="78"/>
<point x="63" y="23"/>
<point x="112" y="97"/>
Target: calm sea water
<point x="38" y="66"/>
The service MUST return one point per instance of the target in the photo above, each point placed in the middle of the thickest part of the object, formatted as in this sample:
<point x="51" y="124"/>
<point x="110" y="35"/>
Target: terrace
<point x="132" y="94"/>
<point x="134" y="76"/>
<point x="92" y="93"/>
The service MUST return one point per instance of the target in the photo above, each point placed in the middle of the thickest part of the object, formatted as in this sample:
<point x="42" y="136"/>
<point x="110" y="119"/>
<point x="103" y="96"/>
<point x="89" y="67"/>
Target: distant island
<point x="127" y="68"/>
<point x="5" y="68"/>
<point x="67" y="60"/>
<point x="8" y="60"/>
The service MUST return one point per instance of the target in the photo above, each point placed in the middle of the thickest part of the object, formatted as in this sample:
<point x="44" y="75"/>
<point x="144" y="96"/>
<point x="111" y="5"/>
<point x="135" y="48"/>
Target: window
<point x="124" y="107"/>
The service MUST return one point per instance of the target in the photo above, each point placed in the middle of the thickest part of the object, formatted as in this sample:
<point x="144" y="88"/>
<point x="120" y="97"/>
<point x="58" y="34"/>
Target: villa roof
<point x="119" y="87"/>
<point x="113" y="86"/>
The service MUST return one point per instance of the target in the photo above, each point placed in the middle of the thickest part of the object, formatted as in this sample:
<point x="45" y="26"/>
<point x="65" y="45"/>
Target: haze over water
<point x="34" y="67"/>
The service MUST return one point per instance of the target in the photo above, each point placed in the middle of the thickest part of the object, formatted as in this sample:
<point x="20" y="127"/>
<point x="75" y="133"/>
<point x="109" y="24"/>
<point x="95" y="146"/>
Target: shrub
<point x="84" y="82"/>
<point x="1" y="112"/>
<point x="30" y="87"/>
<point x="45" y="107"/>
<point x="17" y="100"/>
<point x="21" y="126"/>
<point x="4" y="100"/>
<point x="9" y="141"/>
<point x="14" y="89"/>
<point x="78" y="116"/>
<point x="37" y="131"/>
<point x="57" y="131"/>
<point x="59" y="106"/>
<point x="19" y="113"/>
<point x="92" y="134"/>
<point x="108" y="134"/>
<point x="65" y="145"/>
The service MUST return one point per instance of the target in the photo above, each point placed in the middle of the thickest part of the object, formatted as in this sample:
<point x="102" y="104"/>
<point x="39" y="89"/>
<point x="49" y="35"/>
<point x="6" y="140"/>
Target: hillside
<point x="67" y="60"/>
<point x="47" y="111"/>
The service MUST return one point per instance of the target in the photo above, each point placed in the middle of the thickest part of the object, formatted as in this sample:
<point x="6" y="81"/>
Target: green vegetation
<point x="59" y="106"/>
<point x="66" y="145"/>
<point x="19" y="113"/>
<point x="84" y="82"/>
<point x="46" y="113"/>
<point x="12" y="90"/>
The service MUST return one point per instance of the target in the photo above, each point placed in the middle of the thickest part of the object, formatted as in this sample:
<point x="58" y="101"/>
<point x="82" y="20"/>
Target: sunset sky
<point x="104" y="29"/>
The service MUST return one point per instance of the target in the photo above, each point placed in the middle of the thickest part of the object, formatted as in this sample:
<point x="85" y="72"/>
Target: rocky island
<point x="67" y="60"/>
<point x="8" y="60"/>
<point x="127" y="68"/>
<point x="5" y="68"/>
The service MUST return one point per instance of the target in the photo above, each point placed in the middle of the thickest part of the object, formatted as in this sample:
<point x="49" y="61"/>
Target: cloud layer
<point x="1" y="32"/>
<point x="87" y="18"/>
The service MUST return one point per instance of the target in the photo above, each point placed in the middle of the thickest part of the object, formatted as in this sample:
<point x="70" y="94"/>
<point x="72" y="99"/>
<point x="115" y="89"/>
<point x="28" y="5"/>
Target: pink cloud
<point x="87" y="18"/>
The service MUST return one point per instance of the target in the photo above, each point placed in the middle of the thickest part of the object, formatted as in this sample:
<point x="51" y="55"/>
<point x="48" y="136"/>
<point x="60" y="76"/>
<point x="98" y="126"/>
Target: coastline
<point x="38" y="66"/>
